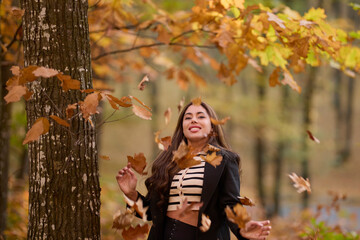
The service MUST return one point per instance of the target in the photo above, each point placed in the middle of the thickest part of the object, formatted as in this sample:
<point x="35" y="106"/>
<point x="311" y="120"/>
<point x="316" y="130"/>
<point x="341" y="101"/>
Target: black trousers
<point x="177" y="230"/>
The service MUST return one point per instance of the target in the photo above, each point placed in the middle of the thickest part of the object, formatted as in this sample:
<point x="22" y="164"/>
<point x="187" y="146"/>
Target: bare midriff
<point x="190" y="218"/>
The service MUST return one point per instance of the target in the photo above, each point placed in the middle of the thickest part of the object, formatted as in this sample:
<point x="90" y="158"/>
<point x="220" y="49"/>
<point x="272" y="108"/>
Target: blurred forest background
<point x="268" y="127"/>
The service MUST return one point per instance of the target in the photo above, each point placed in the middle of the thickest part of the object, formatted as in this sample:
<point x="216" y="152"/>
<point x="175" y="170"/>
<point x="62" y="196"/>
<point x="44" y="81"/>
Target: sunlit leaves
<point x="300" y="183"/>
<point x="41" y="126"/>
<point x="138" y="162"/>
<point x="238" y="215"/>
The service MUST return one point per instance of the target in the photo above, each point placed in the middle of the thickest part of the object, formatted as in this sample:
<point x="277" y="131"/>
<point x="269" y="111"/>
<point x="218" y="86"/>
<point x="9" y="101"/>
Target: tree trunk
<point x="260" y="143"/>
<point x="64" y="191"/>
<point x="5" y="114"/>
<point x="308" y="103"/>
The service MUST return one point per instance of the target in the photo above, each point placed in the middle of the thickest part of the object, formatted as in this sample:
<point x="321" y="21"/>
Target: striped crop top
<point x="187" y="184"/>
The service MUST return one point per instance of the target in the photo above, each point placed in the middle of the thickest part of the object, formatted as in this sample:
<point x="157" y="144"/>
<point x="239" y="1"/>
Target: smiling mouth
<point x="194" y="129"/>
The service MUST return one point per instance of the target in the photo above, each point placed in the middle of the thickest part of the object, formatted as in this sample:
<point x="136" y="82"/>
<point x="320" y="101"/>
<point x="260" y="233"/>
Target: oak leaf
<point x="219" y="122"/>
<point x="184" y="157"/>
<point x="300" y="183"/>
<point x="213" y="159"/>
<point x="205" y="223"/>
<point x="15" y="93"/>
<point x="142" y="112"/>
<point x="60" y="121"/>
<point x="67" y="82"/>
<point x="312" y="137"/>
<point x="45" y="72"/>
<point x="138" y="162"/>
<point x="167" y="115"/>
<point x="237" y="215"/>
<point x="122" y="220"/>
<point x="143" y="82"/>
<point x="246" y="201"/>
<point x="139" y="232"/>
<point x="211" y="148"/>
<point x="41" y="126"/>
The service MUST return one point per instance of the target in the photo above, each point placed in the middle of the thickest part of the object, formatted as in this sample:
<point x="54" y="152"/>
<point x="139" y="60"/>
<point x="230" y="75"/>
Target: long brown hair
<point x="164" y="169"/>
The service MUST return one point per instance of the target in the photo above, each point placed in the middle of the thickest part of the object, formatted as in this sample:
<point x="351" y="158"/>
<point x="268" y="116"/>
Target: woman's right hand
<point x="127" y="180"/>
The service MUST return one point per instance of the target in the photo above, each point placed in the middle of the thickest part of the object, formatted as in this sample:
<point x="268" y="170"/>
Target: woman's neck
<point x="198" y="146"/>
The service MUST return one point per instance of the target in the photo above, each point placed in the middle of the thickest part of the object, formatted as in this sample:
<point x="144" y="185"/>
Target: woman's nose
<point x="193" y="120"/>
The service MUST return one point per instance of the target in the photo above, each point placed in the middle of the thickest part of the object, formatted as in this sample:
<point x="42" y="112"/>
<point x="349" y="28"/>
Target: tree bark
<point x="64" y="190"/>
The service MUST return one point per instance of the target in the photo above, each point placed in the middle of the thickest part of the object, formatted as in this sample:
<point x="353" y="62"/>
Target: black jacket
<point x="221" y="188"/>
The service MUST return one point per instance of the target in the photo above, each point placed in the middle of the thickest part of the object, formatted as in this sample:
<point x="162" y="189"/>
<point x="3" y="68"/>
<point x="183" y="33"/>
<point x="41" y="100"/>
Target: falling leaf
<point x="142" y="112"/>
<point x="67" y="82"/>
<point x="15" y="94"/>
<point x="196" y="101"/>
<point x="41" y="126"/>
<point x="164" y="142"/>
<point x="104" y="157"/>
<point x="138" y="206"/>
<point x="70" y="110"/>
<point x="246" y="201"/>
<point x="213" y="159"/>
<point x="211" y="148"/>
<point x="274" y="78"/>
<point x="90" y="104"/>
<point x="312" y="137"/>
<point x="186" y="208"/>
<point x="140" y="102"/>
<point x="143" y="82"/>
<point x="184" y="157"/>
<point x="167" y="115"/>
<point x="122" y="220"/>
<point x="205" y="223"/>
<point x="300" y="183"/>
<point x="45" y="72"/>
<point x="17" y="12"/>
<point x="60" y="121"/>
<point x="139" y="232"/>
<point x="237" y="215"/>
<point x="181" y="104"/>
<point x="219" y="122"/>
<point x="138" y="162"/>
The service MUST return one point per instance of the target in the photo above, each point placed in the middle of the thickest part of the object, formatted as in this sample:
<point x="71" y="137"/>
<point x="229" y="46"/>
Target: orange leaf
<point x="142" y="112"/>
<point x="181" y="104"/>
<point x="138" y="162"/>
<point x="41" y="126"/>
<point x="167" y="115"/>
<point x="104" y="157"/>
<point x="196" y="101"/>
<point x="213" y="159"/>
<point x="45" y="72"/>
<point x="123" y="102"/>
<point x="300" y="183"/>
<point x="237" y="215"/>
<point x="112" y="103"/>
<point x="89" y="106"/>
<point x="219" y="122"/>
<point x="165" y="142"/>
<point x="28" y="95"/>
<point x="67" y="82"/>
<point x="60" y="121"/>
<point x="247" y="201"/>
<point x="143" y="82"/>
<point x="140" y="102"/>
<point x="135" y="233"/>
<point x="17" y="12"/>
<point x="289" y="80"/>
<point x="70" y="110"/>
<point x="312" y="137"/>
<point x="26" y="75"/>
<point x="274" y="78"/>
<point x="122" y="220"/>
<point x="15" y="94"/>
<point x="184" y="157"/>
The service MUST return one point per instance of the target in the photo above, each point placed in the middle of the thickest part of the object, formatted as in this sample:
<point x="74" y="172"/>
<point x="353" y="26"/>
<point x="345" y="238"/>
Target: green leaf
<point x="355" y="6"/>
<point x="235" y="11"/>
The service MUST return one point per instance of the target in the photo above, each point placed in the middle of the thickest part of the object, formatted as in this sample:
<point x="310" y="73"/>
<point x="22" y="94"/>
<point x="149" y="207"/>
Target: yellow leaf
<point x="237" y="215"/>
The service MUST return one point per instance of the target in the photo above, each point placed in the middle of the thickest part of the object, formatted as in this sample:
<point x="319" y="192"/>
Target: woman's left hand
<point x="256" y="230"/>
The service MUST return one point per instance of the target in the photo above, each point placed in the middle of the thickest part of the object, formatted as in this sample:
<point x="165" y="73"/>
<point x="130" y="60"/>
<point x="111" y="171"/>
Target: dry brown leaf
<point x="60" y="121"/>
<point x="112" y="103"/>
<point x="181" y="104"/>
<point x="184" y="157"/>
<point x="237" y="215"/>
<point x="41" y="126"/>
<point x="247" y="201"/>
<point x="211" y="148"/>
<point x="205" y="223"/>
<point x="140" y="209"/>
<point x="187" y="208"/>
<point x="300" y="183"/>
<point x="289" y="80"/>
<point x="90" y="104"/>
<point x="165" y="142"/>
<point x="196" y="101"/>
<point x="45" y="72"/>
<point x="219" y="122"/>
<point x="143" y="82"/>
<point x="139" y="232"/>
<point x="104" y="157"/>
<point x="122" y="220"/>
<point x="274" y="78"/>
<point x="28" y="94"/>
<point x="26" y="74"/>
<point x="138" y="162"/>
<point x="15" y="93"/>
<point x="167" y="115"/>
<point x="70" y="110"/>
<point x="15" y="70"/>
<point x="142" y="112"/>
<point x="140" y="102"/>
<point x="67" y="82"/>
<point x="213" y="159"/>
<point x="123" y="102"/>
<point x="312" y="137"/>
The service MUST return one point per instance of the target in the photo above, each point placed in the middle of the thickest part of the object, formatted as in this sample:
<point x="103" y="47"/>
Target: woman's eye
<point x="201" y="116"/>
<point x="187" y="118"/>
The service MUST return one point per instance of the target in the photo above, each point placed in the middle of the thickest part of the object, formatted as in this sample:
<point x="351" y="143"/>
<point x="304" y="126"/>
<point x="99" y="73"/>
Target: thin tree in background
<point x="64" y="194"/>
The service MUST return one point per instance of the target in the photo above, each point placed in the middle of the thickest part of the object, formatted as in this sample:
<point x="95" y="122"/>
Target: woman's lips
<point x="194" y="129"/>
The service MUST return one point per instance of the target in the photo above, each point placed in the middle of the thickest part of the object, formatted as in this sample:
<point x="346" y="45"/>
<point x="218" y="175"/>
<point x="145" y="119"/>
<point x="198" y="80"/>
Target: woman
<point x="209" y="189"/>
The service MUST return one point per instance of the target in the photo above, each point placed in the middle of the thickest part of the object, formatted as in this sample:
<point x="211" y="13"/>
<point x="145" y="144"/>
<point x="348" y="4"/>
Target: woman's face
<point x="196" y="124"/>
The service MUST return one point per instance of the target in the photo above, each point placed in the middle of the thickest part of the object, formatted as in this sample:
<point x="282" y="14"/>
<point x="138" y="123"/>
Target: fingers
<point x="126" y="170"/>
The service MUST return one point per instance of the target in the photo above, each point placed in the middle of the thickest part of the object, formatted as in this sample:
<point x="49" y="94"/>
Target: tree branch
<point x="14" y="38"/>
